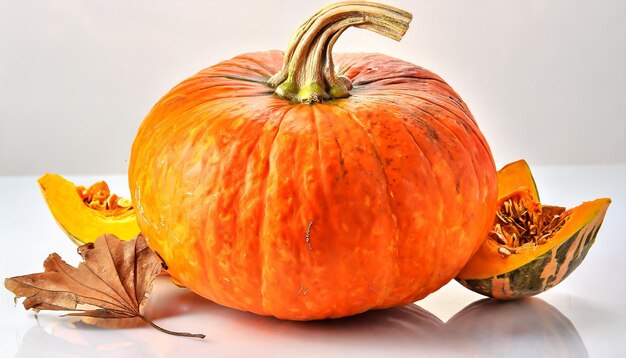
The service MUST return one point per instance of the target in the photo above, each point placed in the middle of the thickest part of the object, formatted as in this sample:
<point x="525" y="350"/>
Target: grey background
<point x="545" y="79"/>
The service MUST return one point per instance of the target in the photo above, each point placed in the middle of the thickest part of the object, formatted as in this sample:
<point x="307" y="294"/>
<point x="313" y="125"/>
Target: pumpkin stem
<point x="308" y="73"/>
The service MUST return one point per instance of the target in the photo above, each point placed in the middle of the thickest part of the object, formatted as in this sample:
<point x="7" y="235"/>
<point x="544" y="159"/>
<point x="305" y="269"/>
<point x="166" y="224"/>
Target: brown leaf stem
<point x="180" y="334"/>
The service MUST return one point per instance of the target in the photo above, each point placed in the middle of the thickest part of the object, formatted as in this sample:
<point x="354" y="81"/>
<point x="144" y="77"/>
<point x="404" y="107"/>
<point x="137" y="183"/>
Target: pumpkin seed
<point x="504" y="251"/>
<point x="521" y="223"/>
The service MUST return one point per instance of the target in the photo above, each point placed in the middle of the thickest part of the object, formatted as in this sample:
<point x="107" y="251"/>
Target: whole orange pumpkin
<point x="272" y="184"/>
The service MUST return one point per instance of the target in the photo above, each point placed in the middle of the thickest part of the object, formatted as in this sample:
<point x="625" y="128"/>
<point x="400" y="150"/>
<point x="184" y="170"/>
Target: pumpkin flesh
<point x="85" y="214"/>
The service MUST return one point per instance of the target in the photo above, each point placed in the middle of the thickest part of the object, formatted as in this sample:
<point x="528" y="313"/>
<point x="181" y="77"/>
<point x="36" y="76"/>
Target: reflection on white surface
<point x="522" y="328"/>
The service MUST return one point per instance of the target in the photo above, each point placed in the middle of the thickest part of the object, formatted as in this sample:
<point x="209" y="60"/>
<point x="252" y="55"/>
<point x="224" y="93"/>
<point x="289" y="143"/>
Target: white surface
<point x="545" y="79"/>
<point x="592" y="298"/>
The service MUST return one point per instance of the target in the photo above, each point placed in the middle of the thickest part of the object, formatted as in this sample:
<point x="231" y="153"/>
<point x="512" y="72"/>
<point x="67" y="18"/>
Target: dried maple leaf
<point x="113" y="281"/>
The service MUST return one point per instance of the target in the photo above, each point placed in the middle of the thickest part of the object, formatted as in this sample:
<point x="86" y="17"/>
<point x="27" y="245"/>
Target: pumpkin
<point x="272" y="184"/>
<point x="85" y="214"/>
<point x="531" y="247"/>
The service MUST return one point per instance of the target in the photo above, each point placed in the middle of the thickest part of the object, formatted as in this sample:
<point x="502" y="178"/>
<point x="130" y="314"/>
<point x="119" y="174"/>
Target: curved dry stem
<point x="179" y="334"/>
<point x="308" y="74"/>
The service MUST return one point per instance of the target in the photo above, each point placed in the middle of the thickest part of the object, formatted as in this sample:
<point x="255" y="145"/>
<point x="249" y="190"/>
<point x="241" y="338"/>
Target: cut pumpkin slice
<point x="531" y="247"/>
<point x="87" y="213"/>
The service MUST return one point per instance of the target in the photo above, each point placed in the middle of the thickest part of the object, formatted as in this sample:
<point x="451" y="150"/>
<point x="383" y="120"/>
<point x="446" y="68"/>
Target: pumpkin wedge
<point x="531" y="247"/>
<point x="87" y="213"/>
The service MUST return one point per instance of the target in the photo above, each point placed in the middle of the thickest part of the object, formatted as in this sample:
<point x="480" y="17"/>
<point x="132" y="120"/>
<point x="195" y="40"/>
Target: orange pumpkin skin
<point x="313" y="211"/>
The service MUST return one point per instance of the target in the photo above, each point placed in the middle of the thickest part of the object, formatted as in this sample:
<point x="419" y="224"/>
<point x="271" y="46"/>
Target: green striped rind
<point x="545" y="272"/>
